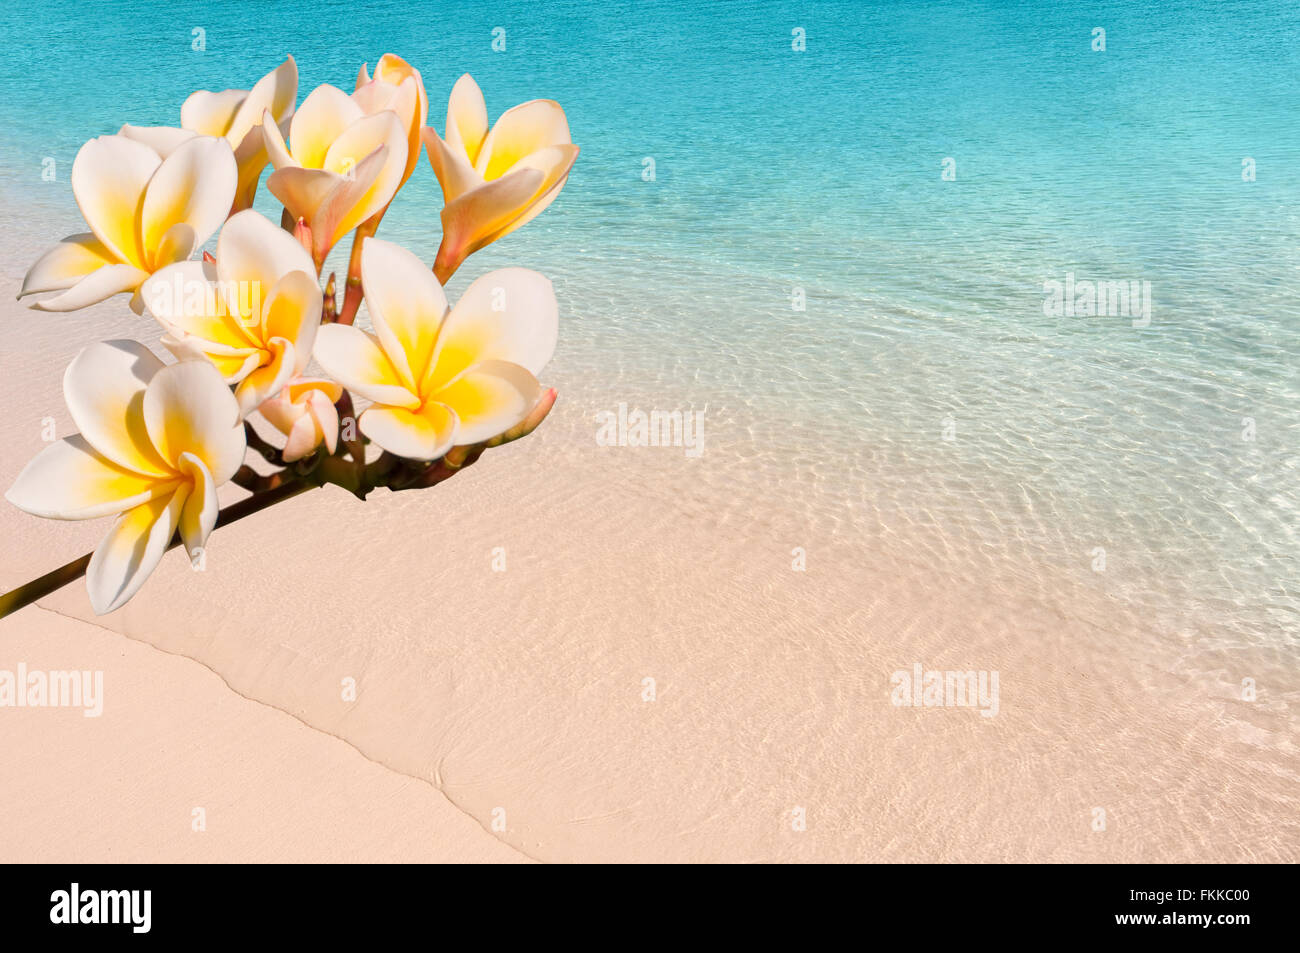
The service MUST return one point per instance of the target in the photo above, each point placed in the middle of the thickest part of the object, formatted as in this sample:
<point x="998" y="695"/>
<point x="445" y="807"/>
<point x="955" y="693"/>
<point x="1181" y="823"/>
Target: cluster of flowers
<point x="443" y="382"/>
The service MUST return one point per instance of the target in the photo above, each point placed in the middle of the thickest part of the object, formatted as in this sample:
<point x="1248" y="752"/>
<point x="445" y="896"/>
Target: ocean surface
<point x="922" y="406"/>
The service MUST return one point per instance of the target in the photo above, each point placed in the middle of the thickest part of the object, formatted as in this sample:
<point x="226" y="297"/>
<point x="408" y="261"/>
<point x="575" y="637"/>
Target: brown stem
<point x="56" y="579"/>
<point x="268" y="451"/>
<point x="352" y="475"/>
<point x="254" y="482"/>
<point x="356" y="447"/>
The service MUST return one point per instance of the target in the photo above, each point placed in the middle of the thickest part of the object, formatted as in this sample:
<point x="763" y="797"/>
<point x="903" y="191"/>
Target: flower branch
<point x="443" y="383"/>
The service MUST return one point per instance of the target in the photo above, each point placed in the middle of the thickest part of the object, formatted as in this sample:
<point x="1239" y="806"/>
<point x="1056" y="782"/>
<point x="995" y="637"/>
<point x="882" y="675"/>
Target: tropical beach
<point x="894" y="457"/>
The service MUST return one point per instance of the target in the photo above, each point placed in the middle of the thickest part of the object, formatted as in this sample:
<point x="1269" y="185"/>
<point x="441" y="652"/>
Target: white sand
<point x="124" y="787"/>
<point x="522" y="691"/>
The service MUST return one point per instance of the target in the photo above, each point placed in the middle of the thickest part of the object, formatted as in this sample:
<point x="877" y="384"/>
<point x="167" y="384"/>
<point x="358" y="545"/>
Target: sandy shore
<point x="181" y="769"/>
<point x="649" y="678"/>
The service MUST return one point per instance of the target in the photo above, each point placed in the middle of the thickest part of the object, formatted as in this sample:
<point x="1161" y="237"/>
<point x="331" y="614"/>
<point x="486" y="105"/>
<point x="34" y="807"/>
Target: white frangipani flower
<point x="495" y="180"/>
<point x="438" y="377"/>
<point x="304" y="412"/>
<point x="340" y="166"/>
<point x="144" y="213"/>
<point x="236" y="115"/>
<point x="155" y="443"/>
<point x="254" y="314"/>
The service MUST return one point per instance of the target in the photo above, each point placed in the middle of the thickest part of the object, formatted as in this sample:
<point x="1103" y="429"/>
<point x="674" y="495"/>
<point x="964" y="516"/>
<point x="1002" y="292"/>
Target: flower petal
<point x="292" y="311"/>
<point x="187" y="302"/>
<point x="276" y="92"/>
<point x="132" y="550"/>
<point x="251" y="157"/>
<point x="362" y="139"/>
<point x="345" y="201"/>
<point x="521" y="131"/>
<point x="232" y="364"/>
<point x="194" y="185"/>
<point x="423" y="434"/>
<point x="357" y="361"/>
<point x="489" y="398"/>
<point x="94" y="288"/>
<point x="199" y="513"/>
<point x="178" y="244"/>
<point x="189" y="409"/>
<point x="402" y="100"/>
<point x="276" y="148"/>
<point x="455" y="173"/>
<point x="554" y="162"/>
<point x="323" y="116"/>
<point x="506" y="315"/>
<point x="252" y="256"/>
<point x="71" y="480"/>
<point x="392" y="69"/>
<point x="303" y="191"/>
<point x="163" y="140"/>
<point x="303" y="437"/>
<point x="304" y="387"/>
<point x="274" y="371"/>
<point x="104" y="389"/>
<point x="109" y="178"/>
<point x="479" y="216"/>
<point x="406" y="306"/>
<point x="467" y="121"/>
<point x="281" y="412"/>
<point x="210" y="114"/>
<point x="320" y="405"/>
<point x="66" y="263"/>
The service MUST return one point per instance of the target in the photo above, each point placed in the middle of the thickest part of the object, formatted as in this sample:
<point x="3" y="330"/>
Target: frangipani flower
<point x="395" y="81"/>
<point x="155" y="443"/>
<point x="144" y="212"/>
<point x="236" y="115"/>
<point x="304" y="412"/>
<point x="342" y="166"/>
<point x="441" y="378"/>
<point x="493" y="182"/>
<point x="253" y="314"/>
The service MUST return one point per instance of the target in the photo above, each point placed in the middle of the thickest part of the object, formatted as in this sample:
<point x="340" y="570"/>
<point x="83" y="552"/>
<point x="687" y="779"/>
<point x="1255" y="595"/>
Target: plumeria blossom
<point x="254" y="313"/>
<point x="144" y="212"/>
<point x="437" y="386"/>
<point x="155" y="443"/>
<point x="304" y="412"/>
<point x="235" y="115"/>
<point x="391" y="88"/>
<point x="495" y="181"/>
<point x="341" y="166"/>
<point x="441" y="378"/>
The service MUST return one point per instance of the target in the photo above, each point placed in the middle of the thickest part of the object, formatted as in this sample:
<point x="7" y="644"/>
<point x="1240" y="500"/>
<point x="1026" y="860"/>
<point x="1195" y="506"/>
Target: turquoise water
<point x="822" y="170"/>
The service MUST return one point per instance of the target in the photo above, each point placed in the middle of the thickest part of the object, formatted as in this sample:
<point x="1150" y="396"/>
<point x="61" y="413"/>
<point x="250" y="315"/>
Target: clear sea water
<point x="822" y="170"/>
